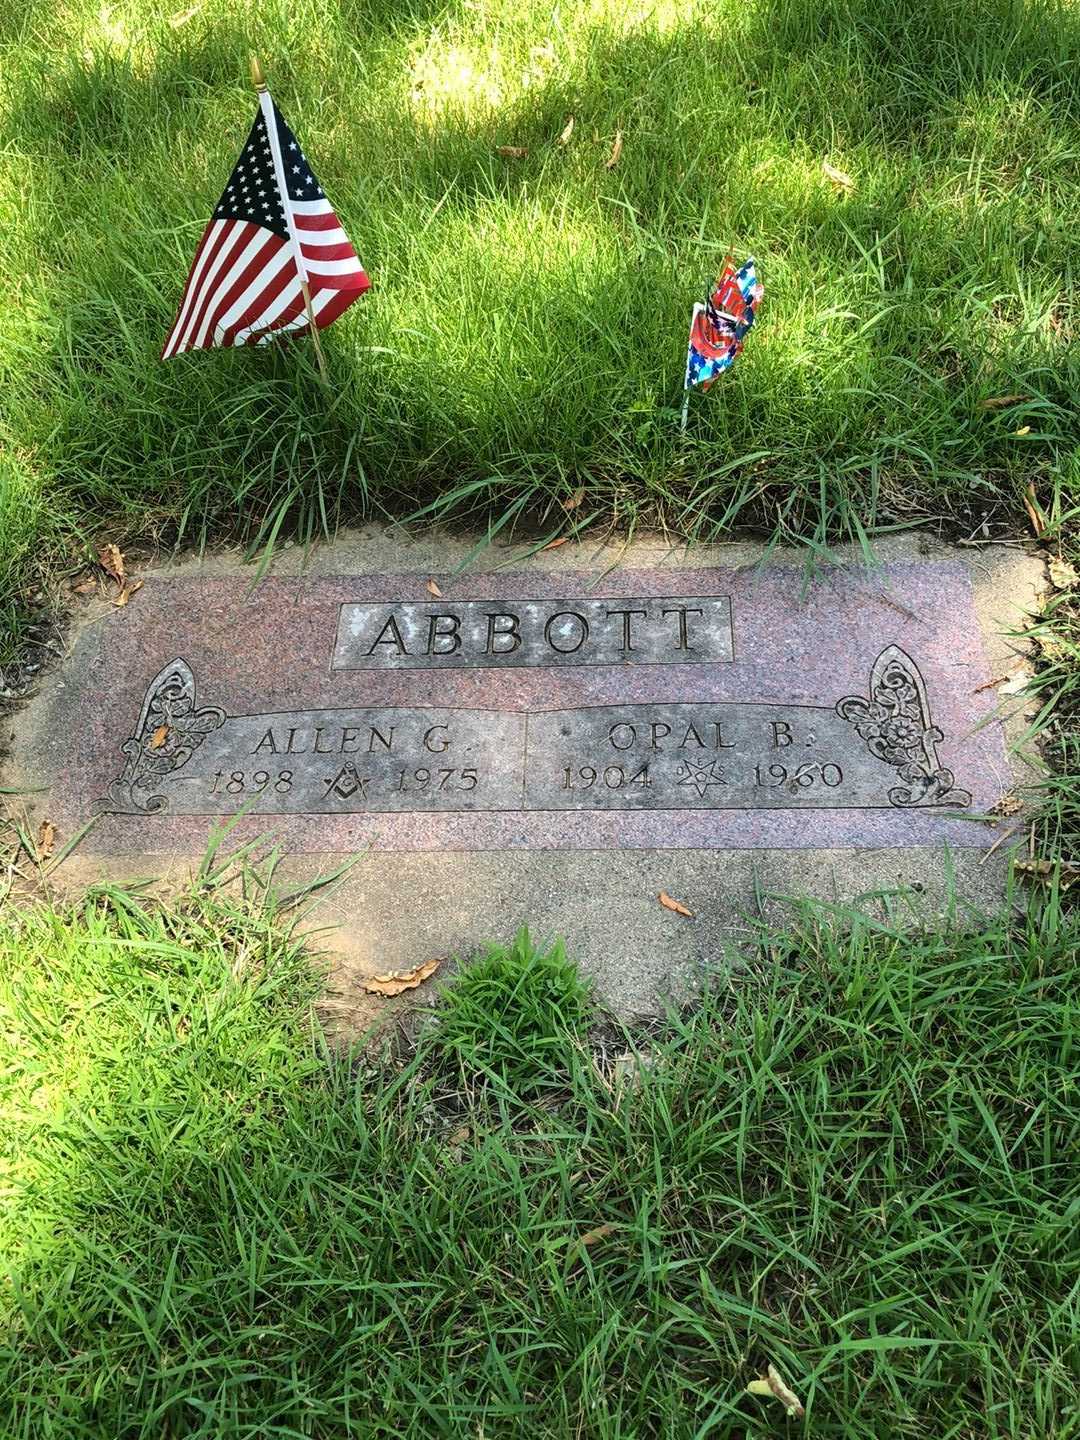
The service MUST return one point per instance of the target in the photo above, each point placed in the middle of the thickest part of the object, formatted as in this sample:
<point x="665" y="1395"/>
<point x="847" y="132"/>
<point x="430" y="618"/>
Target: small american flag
<point x="273" y="232"/>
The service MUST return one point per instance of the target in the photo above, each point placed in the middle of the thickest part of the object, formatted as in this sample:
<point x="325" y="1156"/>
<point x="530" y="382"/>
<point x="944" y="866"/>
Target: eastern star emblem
<point x="700" y="776"/>
<point x="346" y="783"/>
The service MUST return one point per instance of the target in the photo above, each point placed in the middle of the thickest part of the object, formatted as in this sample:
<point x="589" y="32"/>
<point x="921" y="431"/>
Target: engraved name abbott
<point x="726" y="755"/>
<point x="506" y="633"/>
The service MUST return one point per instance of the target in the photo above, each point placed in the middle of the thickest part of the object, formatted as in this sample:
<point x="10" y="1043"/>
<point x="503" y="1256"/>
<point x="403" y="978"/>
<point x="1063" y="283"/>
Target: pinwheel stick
<point x="686" y="377"/>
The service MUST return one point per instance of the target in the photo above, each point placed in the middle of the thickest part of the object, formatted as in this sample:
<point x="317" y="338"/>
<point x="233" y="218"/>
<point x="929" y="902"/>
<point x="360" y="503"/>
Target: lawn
<point x="526" y="331"/>
<point x="854" y="1160"/>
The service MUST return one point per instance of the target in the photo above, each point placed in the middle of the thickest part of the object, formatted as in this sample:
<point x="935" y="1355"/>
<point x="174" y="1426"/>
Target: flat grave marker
<point x="638" y="718"/>
<point x="531" y="744"/>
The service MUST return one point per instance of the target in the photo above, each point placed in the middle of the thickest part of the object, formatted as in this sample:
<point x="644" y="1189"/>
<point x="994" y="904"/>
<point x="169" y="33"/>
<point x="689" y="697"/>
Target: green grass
<point x="527" y="328"/>
<point x="508" y="1012"/>
<point x="856" y="1159"/>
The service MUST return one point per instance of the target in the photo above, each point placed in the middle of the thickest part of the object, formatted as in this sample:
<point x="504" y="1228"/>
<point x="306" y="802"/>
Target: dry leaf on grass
<point x="1034" y="511"/>
<point x="1014" y="684"/>
<point x="554" y="544"/>
<point x="616" y="151"/>
<point x="433" y="589"/>
<point x="84" y="587"/>
<point x="112" y="562"/>
<point x="1063" y="575"/>
<point x="568" y="130"/>
<point x="158" y="738"/>
<point x="996" y="402"/>
<point x="840" y="178"/>
<point x="512" y="152"/>
<point x="674" y="905"/>
<point x="774" y="1386"/>
<point x="1053" y="647"/>
<point x="395" y="981"/>
<point x="573" y="501"/>
<point x="592" y="1236"/>
<point x="1009" y="804"/>
<point x="46" y="840"/>
<point x="1067" y="872"/>
<point x="126" y="593"/>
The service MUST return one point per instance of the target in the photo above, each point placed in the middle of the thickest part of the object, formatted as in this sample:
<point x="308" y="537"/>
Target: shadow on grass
<point x="527" y="325"/>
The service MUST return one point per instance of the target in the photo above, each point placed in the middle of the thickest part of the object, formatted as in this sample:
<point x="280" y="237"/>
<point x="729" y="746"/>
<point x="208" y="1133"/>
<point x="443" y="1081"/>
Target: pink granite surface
<point x="270" y="650"/>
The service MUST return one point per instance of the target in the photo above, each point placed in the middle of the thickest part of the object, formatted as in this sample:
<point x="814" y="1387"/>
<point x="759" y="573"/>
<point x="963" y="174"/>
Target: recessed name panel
<point x="497" y="634"/>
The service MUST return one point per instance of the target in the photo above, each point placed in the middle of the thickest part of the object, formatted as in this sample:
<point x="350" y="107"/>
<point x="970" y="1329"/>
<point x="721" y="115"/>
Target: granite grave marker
<point x="725" y="709"/>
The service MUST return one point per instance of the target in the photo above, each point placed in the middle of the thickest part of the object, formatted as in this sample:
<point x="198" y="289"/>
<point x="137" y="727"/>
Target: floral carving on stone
<point x="169" y="730"/>
<point x="896" y="725"/>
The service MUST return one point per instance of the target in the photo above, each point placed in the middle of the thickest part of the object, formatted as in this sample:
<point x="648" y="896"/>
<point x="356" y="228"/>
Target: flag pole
<point x="259" y="81"/>
<point x="686" y="377"/>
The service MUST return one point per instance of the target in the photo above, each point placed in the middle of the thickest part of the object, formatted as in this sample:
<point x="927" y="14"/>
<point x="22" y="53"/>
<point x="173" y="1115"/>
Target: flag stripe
<point x="249" y="244"/>
<point x="331" y="267"/>
<point x="208" y="247"/>
<point x="312" y="224"/>
<point x="327" y="305"/>
<point x="332" y="249"/>
<point x="267" y="314"/>
<point x="197" y="264"/>
<point x="234" y="238"/>
<point x="265" y="273"/>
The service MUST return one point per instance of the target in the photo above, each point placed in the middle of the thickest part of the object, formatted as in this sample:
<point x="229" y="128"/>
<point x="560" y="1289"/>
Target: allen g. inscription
<point x="506" y="633"/>
<point x="863" y="752"/>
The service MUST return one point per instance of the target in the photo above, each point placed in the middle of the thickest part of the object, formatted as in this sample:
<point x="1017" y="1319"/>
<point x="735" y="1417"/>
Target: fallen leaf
<point x="1063" y="575"/>
<point x="568" y="130"/>
<point x="433" y="589"/>
<point x="1053" y="647"/>
<point x="46" y="841"/>
<point x="1066" y="871"/>
<point x="1009" y="804"/>
<point x="616" y="150"/>
<point x="1034" y="511"/>
<point x="395" y="981"/>
<point x="1024" y="430"/>
<point x="183" y="16"/>
<point x="592" y="1236"/>
<point x="126" y="593"/>
<point x="575" y="499"/>
<point x="112" y="562"/>
<point x="158" y="738"/>
<point x="84" y="587"/>
<point x="995" y="402"/>
<point x="512" y="152"/>
<point x="1015" y="683"/>
<point x="840" y="178"/>
<point x="670" y="904"/>
<point x="554" y="544"/>
<point x="773" y="1385"/>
